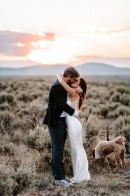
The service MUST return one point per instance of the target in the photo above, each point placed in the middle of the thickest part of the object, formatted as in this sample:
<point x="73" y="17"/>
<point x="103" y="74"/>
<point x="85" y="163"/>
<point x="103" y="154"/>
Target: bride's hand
<point x="60" y="77"/>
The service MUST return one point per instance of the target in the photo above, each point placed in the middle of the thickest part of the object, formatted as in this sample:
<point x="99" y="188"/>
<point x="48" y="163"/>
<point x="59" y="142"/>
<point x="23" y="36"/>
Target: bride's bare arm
<point x="70" y="90"/>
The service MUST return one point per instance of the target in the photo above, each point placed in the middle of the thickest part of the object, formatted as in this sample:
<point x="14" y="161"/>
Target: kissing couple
<point x="66" y="97"/>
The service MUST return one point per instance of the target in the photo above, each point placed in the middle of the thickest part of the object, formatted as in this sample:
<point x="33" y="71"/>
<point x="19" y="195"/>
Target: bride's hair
<point x="83" y="85"/>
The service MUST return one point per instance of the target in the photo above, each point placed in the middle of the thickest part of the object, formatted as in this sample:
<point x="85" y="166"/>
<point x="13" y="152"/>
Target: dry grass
<point x="25" y="149"/>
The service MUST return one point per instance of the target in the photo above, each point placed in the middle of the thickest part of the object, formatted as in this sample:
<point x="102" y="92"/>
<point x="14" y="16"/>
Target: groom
<point x="55" y="119"/>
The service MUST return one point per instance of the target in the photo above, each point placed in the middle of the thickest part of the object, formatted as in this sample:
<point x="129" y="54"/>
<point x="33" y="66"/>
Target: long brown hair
<point x="83" y="85"/>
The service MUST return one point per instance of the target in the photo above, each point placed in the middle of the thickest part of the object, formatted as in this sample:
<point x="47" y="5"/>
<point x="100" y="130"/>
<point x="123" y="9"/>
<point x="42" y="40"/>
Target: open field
<point x="25" y="149"/>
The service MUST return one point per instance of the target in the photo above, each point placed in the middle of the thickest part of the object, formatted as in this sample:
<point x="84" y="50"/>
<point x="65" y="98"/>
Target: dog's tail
<point x="108" y="129"/>
<point x="108" y="134"/>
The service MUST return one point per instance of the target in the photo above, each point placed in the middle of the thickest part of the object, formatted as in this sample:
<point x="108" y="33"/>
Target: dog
<point x="104" y="148"/>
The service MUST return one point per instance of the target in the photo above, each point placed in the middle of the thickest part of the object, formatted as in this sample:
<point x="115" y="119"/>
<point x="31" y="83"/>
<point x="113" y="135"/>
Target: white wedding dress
<point x="78" y="154"/>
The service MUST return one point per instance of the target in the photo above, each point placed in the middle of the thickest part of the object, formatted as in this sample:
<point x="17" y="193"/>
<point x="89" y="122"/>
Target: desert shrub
<point x="22" y="111"/>
<point x="115" y="97"/>
<point x="84" y="113"/>
<point x="17" y="137"/>
<point x="2" y="98"/>
<point x="36" y="94"/>
<point x="23" y="177"/>
<point x="104" y="111"/>
<point x="91" y="128"/>
<point x="45" y="98"/>
<point x="121" y="110"/>
<point x="21" y="124"/>
<point x="20" y="85"/>
<point x="31" y="116"/>
<point x="4" y="106"/>
<point x="3" y="84"/>
<point x="13" y="182"/>
<point x="44" y="163"/>
<point x="37" y="108"/>
<point x="121" y="122"/>
<point x="106" y="96"/>
<point x="96" y="110"/>
<point x="121" y="126"/>
<point x="125" y="100"/>
<point x="8" y="185"/>
<point x="113" y="105"/>
<point x="9" y="90"/>
<point x="123" y="90"/>
<point x="38" y="138"/>
<point x="7" y="149"/>
<point x="45" y="85"/>
<point x="93" y="94"/>
<point x="5" y="97"/>
<point x="126" y="133"/>
<point x="111" y="91"/>
<point x="32" y="120"/>
<point x="6" y="122"/>
<point x="15" y="85"/>
<point x="10" y="98"/>
<point x="24" y="96"/>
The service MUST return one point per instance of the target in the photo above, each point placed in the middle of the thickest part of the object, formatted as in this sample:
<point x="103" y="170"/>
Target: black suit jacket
<point x="56" y="105"/>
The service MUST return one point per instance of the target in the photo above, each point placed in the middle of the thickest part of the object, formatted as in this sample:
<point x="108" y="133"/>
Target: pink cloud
<point x="18" y="43"/>
<point x="117" y="30"/>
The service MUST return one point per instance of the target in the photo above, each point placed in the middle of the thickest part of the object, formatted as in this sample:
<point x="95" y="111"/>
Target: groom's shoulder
<point x="55" y="85"/>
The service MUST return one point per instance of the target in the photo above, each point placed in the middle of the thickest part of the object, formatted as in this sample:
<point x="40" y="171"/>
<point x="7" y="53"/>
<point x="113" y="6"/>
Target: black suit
<point x="56" y="105"/>
<point x="57" y="127"/>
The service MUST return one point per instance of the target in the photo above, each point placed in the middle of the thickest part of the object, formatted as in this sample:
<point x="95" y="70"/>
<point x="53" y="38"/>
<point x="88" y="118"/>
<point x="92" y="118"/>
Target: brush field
<point x="25" y="148"/>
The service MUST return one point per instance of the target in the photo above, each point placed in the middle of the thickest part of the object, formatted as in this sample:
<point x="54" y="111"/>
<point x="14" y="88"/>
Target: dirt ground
<point x="104" y="184"/>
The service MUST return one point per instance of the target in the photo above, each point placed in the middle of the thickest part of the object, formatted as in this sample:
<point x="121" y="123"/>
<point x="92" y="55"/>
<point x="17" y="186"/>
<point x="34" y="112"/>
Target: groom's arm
<point x="59" y="94"/>
<point x="76" y="113"/>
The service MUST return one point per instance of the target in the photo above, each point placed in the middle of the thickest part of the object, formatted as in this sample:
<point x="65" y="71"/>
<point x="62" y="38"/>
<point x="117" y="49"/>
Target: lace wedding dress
<point x="78" y="154"/>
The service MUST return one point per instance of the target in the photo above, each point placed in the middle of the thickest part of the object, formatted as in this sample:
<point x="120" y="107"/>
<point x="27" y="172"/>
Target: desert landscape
<point x="25" y="148"/>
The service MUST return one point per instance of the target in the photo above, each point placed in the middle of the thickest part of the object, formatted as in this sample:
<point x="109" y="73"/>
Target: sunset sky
<point x="64" y="32"/>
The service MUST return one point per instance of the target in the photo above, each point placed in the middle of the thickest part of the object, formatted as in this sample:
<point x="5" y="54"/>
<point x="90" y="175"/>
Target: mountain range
<point x="84" y="69"/>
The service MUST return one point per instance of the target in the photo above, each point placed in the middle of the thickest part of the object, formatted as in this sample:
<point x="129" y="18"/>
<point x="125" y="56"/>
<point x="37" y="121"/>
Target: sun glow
<point x="60" y="50"/>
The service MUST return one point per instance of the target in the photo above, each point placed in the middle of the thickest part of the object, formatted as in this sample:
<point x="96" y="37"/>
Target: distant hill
<point x="102" y="69"/>
<point x="84" y="69"/>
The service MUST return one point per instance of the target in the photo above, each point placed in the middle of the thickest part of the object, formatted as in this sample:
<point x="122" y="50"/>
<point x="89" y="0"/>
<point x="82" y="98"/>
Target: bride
<point x="76" y="96"/>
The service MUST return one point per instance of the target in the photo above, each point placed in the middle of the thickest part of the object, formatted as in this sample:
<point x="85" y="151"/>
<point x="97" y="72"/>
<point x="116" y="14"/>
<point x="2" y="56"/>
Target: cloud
<point x="118" y="30"/>
<point x="18" y="43"/>
<point x="90" y="31"/>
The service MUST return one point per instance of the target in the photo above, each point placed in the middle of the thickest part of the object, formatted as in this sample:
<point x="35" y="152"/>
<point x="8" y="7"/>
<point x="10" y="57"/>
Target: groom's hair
<point x="72" y="72"/>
